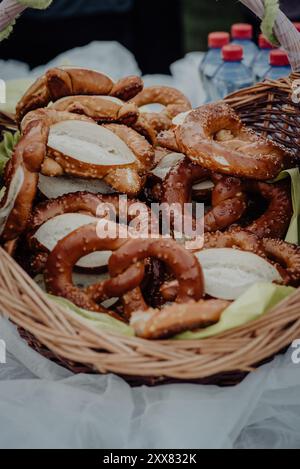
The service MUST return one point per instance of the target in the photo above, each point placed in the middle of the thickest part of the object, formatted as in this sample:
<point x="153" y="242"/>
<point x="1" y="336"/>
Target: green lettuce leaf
<point x="7" y="145"/>
<point x="98" y="320"/>
<point x="293" y="235"/>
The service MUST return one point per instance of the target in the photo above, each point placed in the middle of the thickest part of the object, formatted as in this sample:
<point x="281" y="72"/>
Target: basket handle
<point x="285" y="31"/>
<point x="11" y="9"/>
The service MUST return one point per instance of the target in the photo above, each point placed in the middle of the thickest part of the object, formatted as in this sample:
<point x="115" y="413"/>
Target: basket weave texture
<point x="224" y="359"/>
<point x="268" y="108"/>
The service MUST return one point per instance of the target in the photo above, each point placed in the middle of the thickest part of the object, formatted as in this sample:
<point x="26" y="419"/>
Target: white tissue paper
<point x="43" y="405"/>
<point x="94" y="411"/>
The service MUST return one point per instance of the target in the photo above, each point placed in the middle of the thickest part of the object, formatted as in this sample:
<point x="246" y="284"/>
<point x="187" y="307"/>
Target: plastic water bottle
<point x="261" y="64"/>
<point x="233" y="74"/>
<point x="212" y="59"/>
<point x="242" y="35"/>
<point x="279" y="65"/>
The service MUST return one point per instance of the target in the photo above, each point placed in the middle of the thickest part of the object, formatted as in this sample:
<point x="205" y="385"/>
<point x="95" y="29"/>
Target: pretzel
<point x="59" y="82"/>
<point x="275" y="221"/>
<point x="228" y="199"/>
<point x="68" y="251"/>
<point x="237" y="238"/>
<point x="79" y="202"/>
<point x="127" y="177"/>
<point x="286" y="257"/>
<point x="214" y="137"/>
<point x="189" y="312"/>
<point x="22" y="171"/>
<point x="21" y="179"/>
<point x="100" y="108"/>
<point x="175" y="318"/>
<point x="174" y="102"/>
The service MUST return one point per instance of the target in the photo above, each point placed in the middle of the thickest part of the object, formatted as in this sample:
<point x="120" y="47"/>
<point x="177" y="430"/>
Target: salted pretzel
<point x="68" y="251"/>
<point x="173" y="101"/>
<point x="21" y="174"/>
<point x="127" y="177"/>
<point x="214" y="137"/>
<point x="21" y="178"/>
<point x="274" y="222"/>
<point x="287" y="259"/>
<point x="102" y="109"/>
<point x="75" y="203"/>
<point x="22" y="171"/>
<point x="228" y="198"/>
<point x="285" y="256"/>
<point x="237" y="238"/>
<point x="59" y="82"/>
<point x="189" y="312"/>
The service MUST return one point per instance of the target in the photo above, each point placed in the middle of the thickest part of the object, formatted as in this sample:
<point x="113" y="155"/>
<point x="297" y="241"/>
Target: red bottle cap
<point x="264" y="43"/>
<point x="279" y="57"/>
<point x="241" y="31"/>
<point x="218" y="39"/>
<point x="297" y="26"/>
<point x="232" y="53"/>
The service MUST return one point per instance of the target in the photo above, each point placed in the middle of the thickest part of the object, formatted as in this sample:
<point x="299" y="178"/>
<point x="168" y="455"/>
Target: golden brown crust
<point x="228" y="198"/>
<point x="126" y="88"/>
<point x="174" y="102"/>
<point x="68" y="251"/>
<point x="59" y="82"/>
<point x="175" y="318"/>
<point x="275" y="221"/>
<point x="127" y="178"/>
<point x="236" y="239"/>
<point x="183" y="264"/>
<point x="287" y="256"/>
<point x="78" y="202"/>
<point x="99" y="108"/>
<point x="214" y="137"/>
<point x="28" y="157"/>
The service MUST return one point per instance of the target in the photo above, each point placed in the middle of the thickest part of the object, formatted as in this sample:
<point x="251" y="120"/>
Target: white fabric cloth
<point x="45" y="406"/>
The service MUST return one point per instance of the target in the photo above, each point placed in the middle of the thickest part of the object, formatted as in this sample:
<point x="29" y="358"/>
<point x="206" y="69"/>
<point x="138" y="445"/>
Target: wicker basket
<point x="64" y="337"/>
<point x="268" y="108"/>
<point x="224" y="359"/>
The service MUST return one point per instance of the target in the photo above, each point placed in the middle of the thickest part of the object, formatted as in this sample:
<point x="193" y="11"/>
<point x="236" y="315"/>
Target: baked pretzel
<point x="69" y="81"/>
<point x="127" y="178"/>
<point x="79" y="202"/>
<point x="228" y="198"/>
<point x="286" y="257"/>
<point x="214" y="137"/>
<point x="21" y="179"/>
<point x="174" y="102"/>
<point x="172" y="319"/>
<point x="68" y="251"/>
<point x="237" y="238"/>
<point x="189" y="312"/>
<point x="275" y="220"/>
<point x="24" y="166"/>
<point x="100" y="108"/>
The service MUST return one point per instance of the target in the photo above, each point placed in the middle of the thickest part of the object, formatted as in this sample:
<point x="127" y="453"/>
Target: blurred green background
<point x="200" y="17"/>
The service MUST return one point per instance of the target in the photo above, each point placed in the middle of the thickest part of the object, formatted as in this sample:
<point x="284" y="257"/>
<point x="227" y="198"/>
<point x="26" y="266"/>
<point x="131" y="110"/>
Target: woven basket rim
<point x="69" y="337"/>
